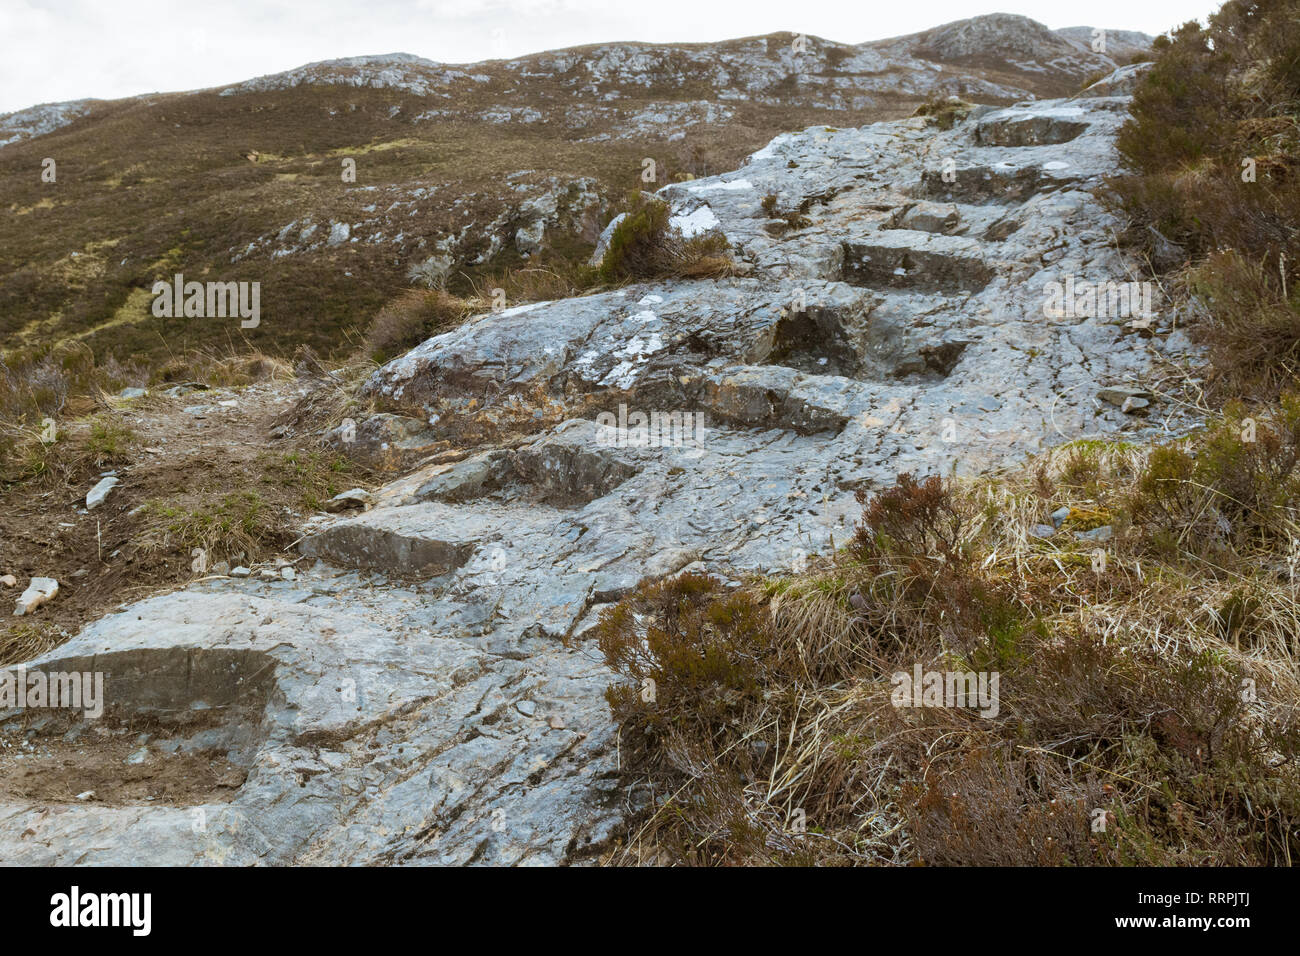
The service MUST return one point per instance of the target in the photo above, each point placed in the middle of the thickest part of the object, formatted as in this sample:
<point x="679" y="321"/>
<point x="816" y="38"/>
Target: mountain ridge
<point x="1077" y="37"/>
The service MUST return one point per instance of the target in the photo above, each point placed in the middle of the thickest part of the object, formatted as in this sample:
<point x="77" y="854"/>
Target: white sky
<point x="54" y="50"/>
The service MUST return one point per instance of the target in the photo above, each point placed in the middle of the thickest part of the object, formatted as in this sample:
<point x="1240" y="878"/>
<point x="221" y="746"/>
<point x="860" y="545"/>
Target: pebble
<point x="95" y="497"/>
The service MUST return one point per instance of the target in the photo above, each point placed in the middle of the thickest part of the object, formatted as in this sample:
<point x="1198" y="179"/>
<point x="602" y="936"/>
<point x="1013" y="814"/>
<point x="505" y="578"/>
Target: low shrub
<point x="944" y="111"/>
<point x="1228" y="491"/>
<point x="645" y="246"/>
<point x="1213" y="152"/>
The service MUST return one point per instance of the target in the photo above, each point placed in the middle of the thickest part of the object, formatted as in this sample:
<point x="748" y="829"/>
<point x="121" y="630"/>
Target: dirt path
<point x="204" y="467"/>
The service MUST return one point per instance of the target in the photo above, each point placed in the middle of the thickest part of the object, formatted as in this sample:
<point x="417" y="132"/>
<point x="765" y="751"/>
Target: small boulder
<point x="1126" y="399"/>
<point x="1123" y="82"/>
<point x="40" y="591"/>
<point x="352" y="498"/>
<point x="339" y="233"/>
<point x="529" y="239"/>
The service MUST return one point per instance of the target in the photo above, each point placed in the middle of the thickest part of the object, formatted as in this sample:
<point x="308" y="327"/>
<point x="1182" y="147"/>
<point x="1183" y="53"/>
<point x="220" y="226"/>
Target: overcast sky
<point x="54" y="50"/>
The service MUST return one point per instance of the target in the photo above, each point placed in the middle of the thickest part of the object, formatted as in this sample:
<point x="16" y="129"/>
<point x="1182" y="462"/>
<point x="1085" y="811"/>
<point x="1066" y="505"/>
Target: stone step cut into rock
<point x="773" y="396"/>
<point x="614" y="340"/>
<point x="418" y="541"/>
<point x="991" y="182"/>
<point x="1014" y="127"/>
<point x="906" y="259"/>
<point x="573" y="465"/>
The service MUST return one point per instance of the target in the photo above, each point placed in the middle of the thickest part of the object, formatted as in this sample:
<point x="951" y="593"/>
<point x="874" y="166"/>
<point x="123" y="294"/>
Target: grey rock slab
<point x="389" y="709"/>
<point x="1031" y="127"/>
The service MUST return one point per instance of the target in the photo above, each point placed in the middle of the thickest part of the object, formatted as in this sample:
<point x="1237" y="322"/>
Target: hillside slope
<point x="476" y="168"/>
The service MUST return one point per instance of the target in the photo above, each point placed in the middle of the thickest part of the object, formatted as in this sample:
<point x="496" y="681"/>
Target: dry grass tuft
<point x="412" y="317"/>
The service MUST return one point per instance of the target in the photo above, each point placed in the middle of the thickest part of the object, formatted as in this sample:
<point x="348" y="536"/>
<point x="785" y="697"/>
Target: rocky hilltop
<point x="460" y="170"/>
<point x="424" y="688"/>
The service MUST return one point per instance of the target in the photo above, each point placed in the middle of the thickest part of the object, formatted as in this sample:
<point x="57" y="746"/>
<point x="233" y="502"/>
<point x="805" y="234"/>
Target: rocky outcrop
<point x="39" y="120"/>
<point x="426" y="690"/>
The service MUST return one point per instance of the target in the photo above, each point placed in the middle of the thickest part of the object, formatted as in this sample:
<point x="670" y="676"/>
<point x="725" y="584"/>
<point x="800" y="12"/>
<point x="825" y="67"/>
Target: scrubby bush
<point x="1255" y="336"/>
<point x="645" y="246"/>
<point x="919" y="518"/>
<point x="692" y="653"/>
<point x="944" y="111"/>
<point x="1233" y="489"/>
<point x="1213" y="149"/>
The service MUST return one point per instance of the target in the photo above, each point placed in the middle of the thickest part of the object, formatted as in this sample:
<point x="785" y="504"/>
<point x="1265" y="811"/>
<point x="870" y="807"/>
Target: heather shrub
<point x="944" y="111"/>
<point x="1229" y="490"/>
<point x="645" y="246"/>
<point x="1212" y="148"/>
